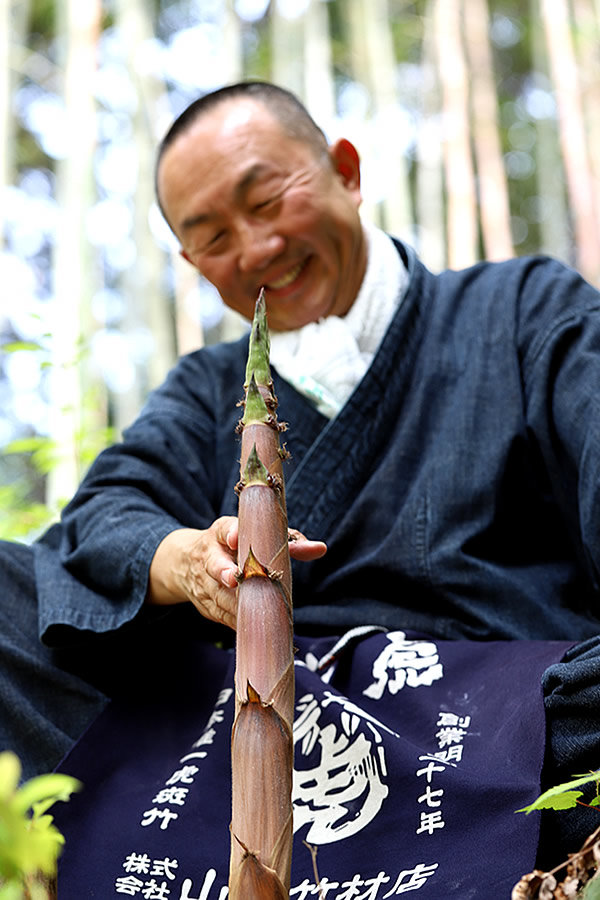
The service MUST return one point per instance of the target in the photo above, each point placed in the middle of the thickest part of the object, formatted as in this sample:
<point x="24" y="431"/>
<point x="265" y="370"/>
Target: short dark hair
<point x="292" y="115"/>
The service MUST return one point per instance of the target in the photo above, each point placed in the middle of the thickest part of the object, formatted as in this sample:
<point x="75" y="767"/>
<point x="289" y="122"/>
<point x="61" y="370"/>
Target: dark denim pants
<point x="49" y="695"/>
<point x="44" y="704"/>
<point x="572" y="700"/>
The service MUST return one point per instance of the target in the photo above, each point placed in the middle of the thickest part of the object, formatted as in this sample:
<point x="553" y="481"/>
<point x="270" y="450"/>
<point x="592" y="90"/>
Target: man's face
<point x="255" y="208"/>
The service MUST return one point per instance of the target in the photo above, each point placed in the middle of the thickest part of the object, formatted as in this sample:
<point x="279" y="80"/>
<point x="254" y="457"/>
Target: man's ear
<point x="346" y="162"/>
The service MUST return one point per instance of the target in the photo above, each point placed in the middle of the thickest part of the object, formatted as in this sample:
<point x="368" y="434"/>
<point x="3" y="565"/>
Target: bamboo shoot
<point x="262" y="743"/>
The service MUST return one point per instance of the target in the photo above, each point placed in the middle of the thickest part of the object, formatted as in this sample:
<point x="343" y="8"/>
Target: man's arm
<point x="147" y="525"/>
<point x="560" y="349"/>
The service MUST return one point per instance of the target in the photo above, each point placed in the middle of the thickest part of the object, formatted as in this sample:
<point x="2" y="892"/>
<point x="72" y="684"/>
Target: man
<point x="444" y="445"/>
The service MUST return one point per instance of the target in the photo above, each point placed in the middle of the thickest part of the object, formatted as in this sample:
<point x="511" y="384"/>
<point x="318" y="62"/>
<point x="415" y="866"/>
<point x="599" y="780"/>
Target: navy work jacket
<point x="458" y="489"/>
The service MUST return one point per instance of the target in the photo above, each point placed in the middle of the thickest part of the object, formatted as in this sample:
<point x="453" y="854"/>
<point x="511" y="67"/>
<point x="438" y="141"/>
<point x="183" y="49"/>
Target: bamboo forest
<point x="477" y="123"/>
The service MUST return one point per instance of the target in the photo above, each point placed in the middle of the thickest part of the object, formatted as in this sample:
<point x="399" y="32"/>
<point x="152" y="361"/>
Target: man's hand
<point x="201" y="567"/>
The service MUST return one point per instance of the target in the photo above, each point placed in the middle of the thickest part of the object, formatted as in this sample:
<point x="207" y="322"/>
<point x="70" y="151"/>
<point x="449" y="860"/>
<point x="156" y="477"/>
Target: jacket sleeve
<point x="560" y="344"/>
<point x="174" y="468"/>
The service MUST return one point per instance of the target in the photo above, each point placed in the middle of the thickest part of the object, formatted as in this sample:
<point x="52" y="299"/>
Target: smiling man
<point x="445" y="443"/>
<point x="257" y="205"/>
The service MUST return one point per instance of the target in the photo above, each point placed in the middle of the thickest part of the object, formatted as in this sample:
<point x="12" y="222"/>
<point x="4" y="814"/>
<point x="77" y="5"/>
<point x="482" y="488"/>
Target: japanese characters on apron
<point x="411" y="757"/>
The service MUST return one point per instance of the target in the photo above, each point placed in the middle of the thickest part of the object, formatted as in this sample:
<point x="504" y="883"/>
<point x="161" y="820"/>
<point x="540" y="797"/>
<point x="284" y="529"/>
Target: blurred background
<point x="477" y="121"/>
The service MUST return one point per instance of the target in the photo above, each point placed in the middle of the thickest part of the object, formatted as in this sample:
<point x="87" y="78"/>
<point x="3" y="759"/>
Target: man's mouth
<point x="286" y="279"/>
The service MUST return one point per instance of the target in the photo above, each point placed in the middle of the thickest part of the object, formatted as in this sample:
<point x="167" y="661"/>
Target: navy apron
<point x="411" y="757"/>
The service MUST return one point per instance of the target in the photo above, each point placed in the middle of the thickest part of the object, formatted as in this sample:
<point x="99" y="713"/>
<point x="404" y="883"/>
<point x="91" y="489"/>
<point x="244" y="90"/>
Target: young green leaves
<point x="29" y="841"/>
<point x="564" y="796"/>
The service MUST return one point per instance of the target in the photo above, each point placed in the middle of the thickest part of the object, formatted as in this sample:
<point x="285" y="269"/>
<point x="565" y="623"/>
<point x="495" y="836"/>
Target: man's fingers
<point x="217" y="558"/>
<point x="220" y="566"/>
<point x="221" y="556"/>
<point x="228" y="576"/>
<point x="231" y="537"/>
<point x="218" y="606"/>
<point x="226" y="605"/>
<point x="217" y="569"/>
<point x="226" y="531"/>
<point x="302" y="549"/>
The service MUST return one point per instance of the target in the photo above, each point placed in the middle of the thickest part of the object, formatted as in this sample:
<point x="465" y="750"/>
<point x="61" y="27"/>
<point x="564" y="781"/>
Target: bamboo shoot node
<point x="275" y="481"/>
<point x="252" y="695"/>
<point x="253" y="568"/>
<point x="270" y="420"/>
<point x="255" y="472"/>
<point x="255" y="408"/>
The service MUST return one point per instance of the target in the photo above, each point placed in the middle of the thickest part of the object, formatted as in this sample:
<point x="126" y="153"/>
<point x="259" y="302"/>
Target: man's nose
<point x="259" y="245"/>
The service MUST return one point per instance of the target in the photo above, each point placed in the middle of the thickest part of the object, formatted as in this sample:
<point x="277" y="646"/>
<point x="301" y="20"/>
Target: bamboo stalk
<point x="494" y="206"/>
<point x="261" y="743"/>
<point x="572" y="133"/>
<point x="461" y="204"/>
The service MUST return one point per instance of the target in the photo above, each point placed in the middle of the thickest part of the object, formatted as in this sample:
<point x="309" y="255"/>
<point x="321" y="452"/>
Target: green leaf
<point x="14" y="346"/>
<point x="27" y="850"/>
<point x="10" y="772"/>
<point x="592" y="889"/>
<point x="26" y="444"/>
<point x="42" y="791"/>
<point x="45" y="452"/>
<point x="12" y="890"/>
<point x="29" y="841"/>
<point x="566" y="800"/>
<point x="554" y="798"/>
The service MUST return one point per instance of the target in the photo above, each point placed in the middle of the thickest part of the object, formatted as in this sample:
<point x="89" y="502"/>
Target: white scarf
<point x="325" y="360"/>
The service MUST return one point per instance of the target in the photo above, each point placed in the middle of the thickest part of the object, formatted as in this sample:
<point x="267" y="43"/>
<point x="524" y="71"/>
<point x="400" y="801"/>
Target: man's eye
<point x="215" y="239"/>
